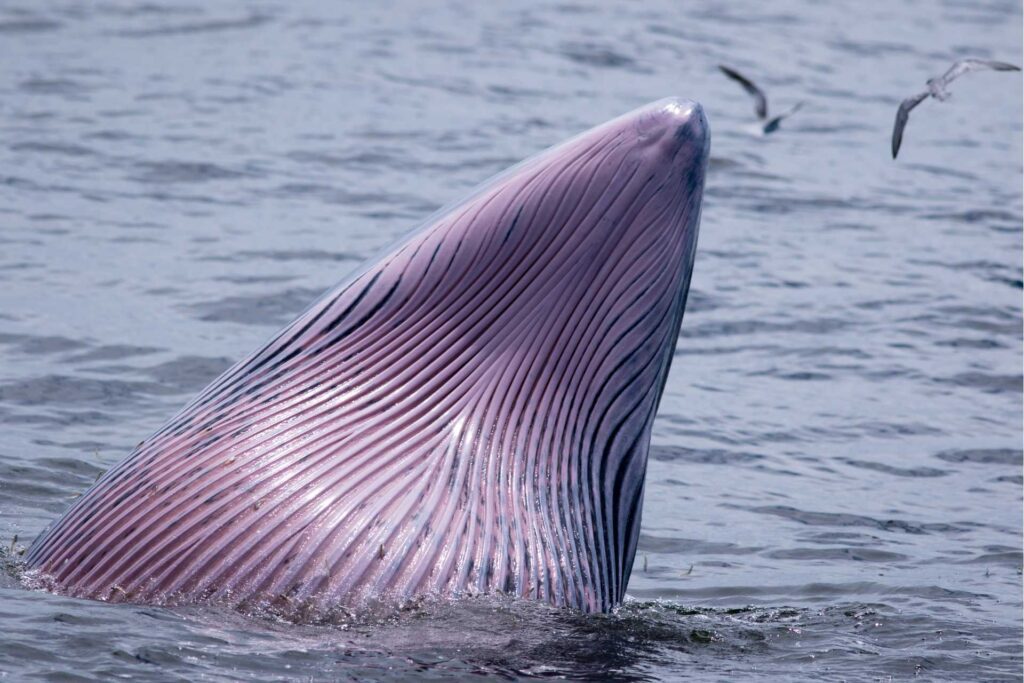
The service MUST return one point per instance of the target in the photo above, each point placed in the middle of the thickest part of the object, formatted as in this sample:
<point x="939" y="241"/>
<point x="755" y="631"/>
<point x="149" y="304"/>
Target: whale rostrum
<point x="470" y="413"/>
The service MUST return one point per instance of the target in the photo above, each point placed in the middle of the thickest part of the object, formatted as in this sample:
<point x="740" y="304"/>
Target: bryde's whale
<point x="470" y="413"/>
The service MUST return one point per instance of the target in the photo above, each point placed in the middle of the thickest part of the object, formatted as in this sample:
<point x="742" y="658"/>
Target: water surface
<point x="834" y="489"/>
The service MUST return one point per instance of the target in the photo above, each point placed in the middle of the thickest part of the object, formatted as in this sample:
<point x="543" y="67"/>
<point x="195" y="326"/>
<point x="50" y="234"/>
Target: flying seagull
<point x="937" y="89"/>
<point x="772" y="124"/>
<point x="760" y="101"/>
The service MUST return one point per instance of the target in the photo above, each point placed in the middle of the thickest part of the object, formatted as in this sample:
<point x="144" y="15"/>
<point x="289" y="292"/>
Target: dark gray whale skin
<point x="469" y="413"/>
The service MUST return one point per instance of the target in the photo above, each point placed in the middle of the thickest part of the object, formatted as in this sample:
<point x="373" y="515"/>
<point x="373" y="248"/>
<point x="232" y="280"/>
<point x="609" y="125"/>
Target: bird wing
<point x="902" y="115"/>
<point x="773" y="124"/>
<point x="962" y="66"/>
<point x="761" y="104"/>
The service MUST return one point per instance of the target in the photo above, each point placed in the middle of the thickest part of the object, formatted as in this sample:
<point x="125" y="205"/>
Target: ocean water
<point x="834" y="490"/>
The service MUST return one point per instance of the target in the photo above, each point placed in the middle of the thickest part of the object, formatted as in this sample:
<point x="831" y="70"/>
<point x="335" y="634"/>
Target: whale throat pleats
<point x="470" y="413"/>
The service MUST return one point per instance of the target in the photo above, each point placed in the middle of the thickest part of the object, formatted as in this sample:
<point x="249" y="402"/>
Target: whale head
<point x="468" y="413"/>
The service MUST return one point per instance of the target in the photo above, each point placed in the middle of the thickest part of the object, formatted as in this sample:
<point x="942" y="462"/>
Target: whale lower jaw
<point x="469" y="414"/>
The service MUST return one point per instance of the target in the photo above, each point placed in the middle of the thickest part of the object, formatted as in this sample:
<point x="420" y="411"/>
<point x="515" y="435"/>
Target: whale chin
<point x="470" y="413"/>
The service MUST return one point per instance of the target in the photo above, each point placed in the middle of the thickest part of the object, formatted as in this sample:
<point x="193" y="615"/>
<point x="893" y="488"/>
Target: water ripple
<point x="835" y="486"/>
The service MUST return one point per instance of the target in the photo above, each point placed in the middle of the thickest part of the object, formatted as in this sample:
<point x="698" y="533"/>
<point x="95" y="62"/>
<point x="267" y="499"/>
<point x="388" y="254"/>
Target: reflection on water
<point x="834" y="489"/>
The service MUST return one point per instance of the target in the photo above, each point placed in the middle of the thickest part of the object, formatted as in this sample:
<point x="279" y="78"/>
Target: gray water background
<point x="834" y="490"/>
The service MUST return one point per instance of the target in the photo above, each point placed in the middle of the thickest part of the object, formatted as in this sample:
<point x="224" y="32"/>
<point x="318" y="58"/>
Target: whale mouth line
<point x="469" y="413"/>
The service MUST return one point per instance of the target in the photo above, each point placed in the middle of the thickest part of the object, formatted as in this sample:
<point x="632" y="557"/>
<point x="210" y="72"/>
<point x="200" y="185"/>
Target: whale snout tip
<point x="679" y="109"/>
<point x="675" y="119"/>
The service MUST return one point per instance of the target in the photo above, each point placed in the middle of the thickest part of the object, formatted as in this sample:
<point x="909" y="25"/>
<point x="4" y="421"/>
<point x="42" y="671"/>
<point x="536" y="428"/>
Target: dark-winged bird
<point x="937" y="89"/>
<point x="760" y="101"/>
